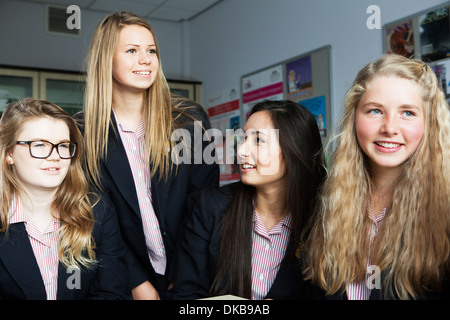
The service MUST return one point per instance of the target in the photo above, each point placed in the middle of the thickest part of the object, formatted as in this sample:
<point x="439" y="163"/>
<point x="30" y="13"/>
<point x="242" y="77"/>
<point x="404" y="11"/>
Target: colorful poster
<point x="224" y="114"/>
<point x="317" y="108"/>
<point x="264" y="85"/>
<point x="299" y="78"/>
<point x="400" y="39"/>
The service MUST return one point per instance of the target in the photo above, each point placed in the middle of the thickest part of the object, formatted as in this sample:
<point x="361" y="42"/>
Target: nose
<point x="390" y="125"/>
<point x="54" y="155"/>
<point x="144" y="57"/>
<point x="242" y="151"/>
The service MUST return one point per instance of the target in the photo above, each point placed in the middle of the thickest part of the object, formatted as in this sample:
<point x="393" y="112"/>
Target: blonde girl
<point x="384" y="218"/>
<point x="129" y="118"/>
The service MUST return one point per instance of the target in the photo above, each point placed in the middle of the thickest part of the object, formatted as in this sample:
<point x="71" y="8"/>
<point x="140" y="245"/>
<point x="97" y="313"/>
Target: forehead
<point x="44" y="128"/>
<point x="135" y="34"/>
<point x="258" y="121"/>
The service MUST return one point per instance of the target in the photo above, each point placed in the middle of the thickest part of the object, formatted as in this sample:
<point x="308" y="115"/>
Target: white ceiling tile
<point x="197" y="5"/>
<point x="152" y="2"/>
<point x="122" y="5"/>
<point x="66" y="3"/>
<point x="173" y="14"/>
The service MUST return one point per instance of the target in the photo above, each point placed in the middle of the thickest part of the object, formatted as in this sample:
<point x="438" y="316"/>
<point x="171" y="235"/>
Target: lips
<point x="51" y="169"/>
<point x="387" y="146"/>
<point x="248" y="166"/>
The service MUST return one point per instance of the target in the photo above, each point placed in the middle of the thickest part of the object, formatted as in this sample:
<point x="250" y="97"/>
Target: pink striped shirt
<point x="361" y="291"/>
<point x="45" y="247"/>
<point x="268" y="249"/>
<point x="135" y="148"/>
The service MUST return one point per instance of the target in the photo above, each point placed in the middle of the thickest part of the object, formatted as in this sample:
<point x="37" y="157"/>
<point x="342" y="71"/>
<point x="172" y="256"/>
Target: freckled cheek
<point x="414" y="134"/>
<point x="364" y="131"/>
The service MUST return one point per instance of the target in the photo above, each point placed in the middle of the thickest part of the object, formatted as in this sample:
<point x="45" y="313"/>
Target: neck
<point x="384" y="182"/>
<point x="271" y="205"/>
<point x="38" y="204"/>
<point x="128" y="107"/>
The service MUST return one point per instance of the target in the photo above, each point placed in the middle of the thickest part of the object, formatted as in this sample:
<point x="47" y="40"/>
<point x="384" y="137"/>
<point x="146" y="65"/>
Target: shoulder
<point x="102" y="206"/>
<point x="218" y="197"/>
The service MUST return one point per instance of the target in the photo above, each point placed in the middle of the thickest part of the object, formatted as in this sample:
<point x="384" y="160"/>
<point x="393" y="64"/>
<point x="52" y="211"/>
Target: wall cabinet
<point x="62" y="88"/>
<point x="65" y="89"/>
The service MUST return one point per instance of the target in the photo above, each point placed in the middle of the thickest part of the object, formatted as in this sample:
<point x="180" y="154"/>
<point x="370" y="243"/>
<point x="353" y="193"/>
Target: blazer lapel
<point x="119" y="168"/>
<point x="18" y="257"/>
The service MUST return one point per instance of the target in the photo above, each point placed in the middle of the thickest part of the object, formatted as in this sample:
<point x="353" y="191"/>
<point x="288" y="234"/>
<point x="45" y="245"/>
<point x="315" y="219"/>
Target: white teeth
<point x="146" y="73"/>
<point x="388" y="145"/>
<point x="247" y="166"/>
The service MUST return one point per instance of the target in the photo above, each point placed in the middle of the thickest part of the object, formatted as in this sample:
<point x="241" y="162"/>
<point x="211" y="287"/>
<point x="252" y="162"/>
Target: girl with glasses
<point x="57" y="241"/>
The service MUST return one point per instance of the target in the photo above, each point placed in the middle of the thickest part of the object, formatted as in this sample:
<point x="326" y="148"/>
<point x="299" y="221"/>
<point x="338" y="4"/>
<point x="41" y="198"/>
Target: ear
<point x="9" y="159"/>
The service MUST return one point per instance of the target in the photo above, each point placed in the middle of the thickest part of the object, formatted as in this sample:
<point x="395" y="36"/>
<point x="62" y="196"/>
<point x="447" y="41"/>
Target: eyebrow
<point x="256" y="132"/>
<point x="137" y="45"/>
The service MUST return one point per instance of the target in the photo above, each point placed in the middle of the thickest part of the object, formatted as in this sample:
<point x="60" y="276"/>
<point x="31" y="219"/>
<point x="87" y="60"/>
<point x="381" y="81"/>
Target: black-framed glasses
<point x="42" y="149"/>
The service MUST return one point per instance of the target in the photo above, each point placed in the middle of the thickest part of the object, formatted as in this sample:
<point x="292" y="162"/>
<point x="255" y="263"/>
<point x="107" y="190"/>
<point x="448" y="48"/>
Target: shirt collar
<point x="17" y="213"/>
<point x="258" y="224"/>
<point x="123" y="127"/>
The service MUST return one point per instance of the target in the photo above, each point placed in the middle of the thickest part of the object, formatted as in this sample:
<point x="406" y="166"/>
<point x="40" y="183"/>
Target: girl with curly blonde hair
<point x="384" y="218"/>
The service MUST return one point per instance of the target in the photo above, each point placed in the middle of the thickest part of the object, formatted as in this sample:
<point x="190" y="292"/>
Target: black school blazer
<point x="20" y="277"/>
<point x="197" y="258"/>
<point x="171" y="199"/>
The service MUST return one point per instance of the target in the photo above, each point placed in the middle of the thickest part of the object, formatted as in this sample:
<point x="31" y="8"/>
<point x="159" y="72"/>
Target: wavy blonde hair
<point x="71" y="201"/>
<point x="412" y="246"/>
<point x="159" y="121"/>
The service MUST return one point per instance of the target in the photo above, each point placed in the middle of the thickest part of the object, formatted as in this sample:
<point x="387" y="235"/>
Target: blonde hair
<point x="412" y="246"/>
<point x="71" y="201"/>
<point x="159" y="121"/>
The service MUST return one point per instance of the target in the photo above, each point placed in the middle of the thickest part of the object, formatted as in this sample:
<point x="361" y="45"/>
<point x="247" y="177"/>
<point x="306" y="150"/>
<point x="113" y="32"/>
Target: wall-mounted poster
<point x="317" y="107"/>
<point x="435" y="34"/>
<point x="266" y="84"/>
<point x="224" y="114"/>
<point x="299" y="78"/>
<point x="400" y="39"/>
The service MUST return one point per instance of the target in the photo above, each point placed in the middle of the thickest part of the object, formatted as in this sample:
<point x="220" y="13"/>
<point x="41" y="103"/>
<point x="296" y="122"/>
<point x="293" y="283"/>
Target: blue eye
<point x="375" y="111"/>
<point x="409" y="113"/>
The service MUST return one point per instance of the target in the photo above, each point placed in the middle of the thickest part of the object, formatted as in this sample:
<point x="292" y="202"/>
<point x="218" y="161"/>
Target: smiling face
<point x="260" y="157"/>
<point x="135" y="61"/>
<point x="389" y="121"/>
<point x="40" y="175"/>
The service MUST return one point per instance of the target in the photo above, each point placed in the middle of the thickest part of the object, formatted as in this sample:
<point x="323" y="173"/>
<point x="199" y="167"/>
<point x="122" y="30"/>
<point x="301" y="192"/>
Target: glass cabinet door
<point x="16" y="84"/>
<point x="64" y="90"/>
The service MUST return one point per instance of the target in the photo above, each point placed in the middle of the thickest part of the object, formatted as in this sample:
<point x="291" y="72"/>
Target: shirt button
<point x="261" y="277"/>
<point x="267" y="247"/>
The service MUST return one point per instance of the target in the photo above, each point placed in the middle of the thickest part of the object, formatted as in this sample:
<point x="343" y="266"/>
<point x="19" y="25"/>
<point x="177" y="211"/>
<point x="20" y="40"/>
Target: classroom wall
<point x="24" y="41"/>
<point x="243" y="36"/>
<point x="233" y="38"/>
